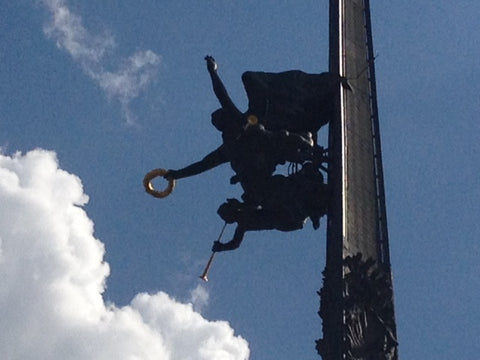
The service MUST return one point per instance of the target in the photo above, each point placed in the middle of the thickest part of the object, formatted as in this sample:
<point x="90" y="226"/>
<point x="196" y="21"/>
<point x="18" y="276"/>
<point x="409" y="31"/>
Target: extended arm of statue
<point x="214" y="159"/>
<point x="218" y="87"/>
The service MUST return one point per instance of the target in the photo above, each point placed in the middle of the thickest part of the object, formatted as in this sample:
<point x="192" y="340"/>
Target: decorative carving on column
<point x="369" y="314"/>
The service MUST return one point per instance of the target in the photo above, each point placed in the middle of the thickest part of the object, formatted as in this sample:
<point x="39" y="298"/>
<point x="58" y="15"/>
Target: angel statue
<point x="285" y="112"/>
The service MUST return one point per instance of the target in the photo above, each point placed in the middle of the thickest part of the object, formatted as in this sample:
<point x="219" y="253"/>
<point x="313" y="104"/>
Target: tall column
<point x="357" y="294"/>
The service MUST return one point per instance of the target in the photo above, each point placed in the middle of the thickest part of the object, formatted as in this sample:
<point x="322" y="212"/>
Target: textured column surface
<point x="357" y="295"/>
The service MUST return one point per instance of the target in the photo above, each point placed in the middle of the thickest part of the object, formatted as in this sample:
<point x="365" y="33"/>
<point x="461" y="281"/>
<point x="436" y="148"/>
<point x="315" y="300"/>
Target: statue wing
<point x="291" y="100"/>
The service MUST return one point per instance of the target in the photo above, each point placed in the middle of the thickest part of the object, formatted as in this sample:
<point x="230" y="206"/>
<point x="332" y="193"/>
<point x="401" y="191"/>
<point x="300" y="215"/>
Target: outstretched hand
<point x="219" y="246"/>
<point x="211" y="64"/>
<point x="170" y="175"/>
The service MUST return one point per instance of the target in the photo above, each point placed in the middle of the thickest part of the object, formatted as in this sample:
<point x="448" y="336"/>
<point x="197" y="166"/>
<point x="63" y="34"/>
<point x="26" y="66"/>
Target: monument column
<point x="357" y="295"/>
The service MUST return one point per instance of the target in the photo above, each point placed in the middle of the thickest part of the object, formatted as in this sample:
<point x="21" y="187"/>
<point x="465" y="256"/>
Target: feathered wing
<point x="291" y="100"/>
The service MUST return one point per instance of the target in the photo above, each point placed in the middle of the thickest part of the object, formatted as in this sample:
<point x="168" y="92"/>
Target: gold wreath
<point x="147" y="183"/>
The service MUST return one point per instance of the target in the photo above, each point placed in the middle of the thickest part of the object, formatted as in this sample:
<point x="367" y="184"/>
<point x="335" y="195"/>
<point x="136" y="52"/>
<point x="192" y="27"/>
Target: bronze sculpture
<point x="285" y="112"/>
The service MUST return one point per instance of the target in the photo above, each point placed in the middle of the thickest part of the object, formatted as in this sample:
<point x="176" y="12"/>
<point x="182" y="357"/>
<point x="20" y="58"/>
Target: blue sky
<point x="113" y="89"/>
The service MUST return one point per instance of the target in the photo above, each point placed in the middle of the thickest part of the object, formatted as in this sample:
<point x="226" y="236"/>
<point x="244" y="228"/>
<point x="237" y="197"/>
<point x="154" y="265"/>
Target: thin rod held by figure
<point x="209" y="264"/>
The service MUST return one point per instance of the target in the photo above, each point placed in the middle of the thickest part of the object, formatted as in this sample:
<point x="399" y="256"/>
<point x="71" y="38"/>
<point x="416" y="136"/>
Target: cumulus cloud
<point x="52" y="276"/>
<point x="89" y="50"/>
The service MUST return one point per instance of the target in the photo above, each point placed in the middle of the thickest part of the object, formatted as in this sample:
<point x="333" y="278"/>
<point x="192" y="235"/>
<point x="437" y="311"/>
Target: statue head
<point x="226" y="122"/>
<point x="219" y="119"/>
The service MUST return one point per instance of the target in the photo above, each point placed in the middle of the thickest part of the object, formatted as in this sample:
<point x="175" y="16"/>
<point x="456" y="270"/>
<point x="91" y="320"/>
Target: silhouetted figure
<point x="285" y="109"/>
<point x="252" y="151"/>
<point x="288" y="203"/>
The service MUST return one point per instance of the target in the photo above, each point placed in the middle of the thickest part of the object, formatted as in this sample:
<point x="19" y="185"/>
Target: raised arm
<point x="215" y="158"/>
<point x="218" y="87"/>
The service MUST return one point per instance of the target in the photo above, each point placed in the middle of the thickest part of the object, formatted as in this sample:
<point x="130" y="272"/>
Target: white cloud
<point x="133" y="76"/>
<point x="67" y="29"/>
<point x="199" y="297"/>
<point x="124" y="84"/>
<point x="53" y="275"/>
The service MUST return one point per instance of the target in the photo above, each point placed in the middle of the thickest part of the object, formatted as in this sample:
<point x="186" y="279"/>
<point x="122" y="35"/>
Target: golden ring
<point x="147" y="183"/>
